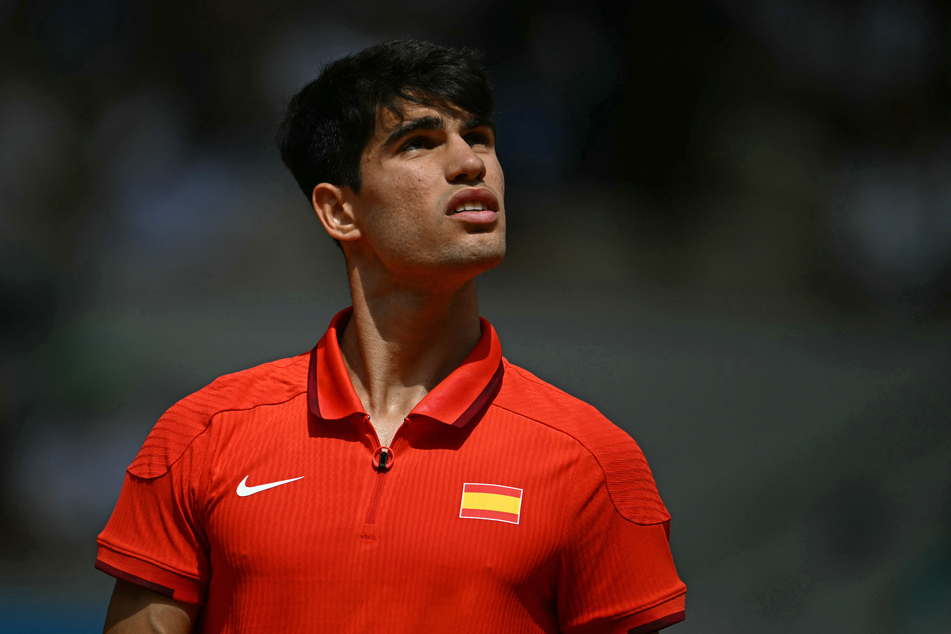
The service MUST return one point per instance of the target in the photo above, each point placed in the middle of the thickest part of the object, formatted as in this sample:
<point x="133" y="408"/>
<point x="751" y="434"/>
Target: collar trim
<point x="459" y="399"/>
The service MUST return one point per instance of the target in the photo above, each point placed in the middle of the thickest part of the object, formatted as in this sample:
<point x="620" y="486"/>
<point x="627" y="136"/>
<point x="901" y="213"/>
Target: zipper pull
<point x="383" y="459"/>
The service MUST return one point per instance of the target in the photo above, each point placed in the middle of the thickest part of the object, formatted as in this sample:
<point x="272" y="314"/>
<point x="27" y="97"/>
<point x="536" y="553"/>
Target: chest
<point x="443" y="520"/>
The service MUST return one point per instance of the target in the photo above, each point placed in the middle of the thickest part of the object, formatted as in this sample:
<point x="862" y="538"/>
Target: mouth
<point x="472" y="205"/>
<point x="471" y="201"/>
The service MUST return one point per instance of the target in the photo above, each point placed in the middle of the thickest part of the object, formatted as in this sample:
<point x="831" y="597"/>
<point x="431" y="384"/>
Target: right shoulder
<point x="267" y="384"/>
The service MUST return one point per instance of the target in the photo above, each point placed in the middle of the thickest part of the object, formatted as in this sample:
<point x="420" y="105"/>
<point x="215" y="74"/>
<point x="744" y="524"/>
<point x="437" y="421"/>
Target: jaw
<point x="440" y="253"/>
<point x="444" y="274"/>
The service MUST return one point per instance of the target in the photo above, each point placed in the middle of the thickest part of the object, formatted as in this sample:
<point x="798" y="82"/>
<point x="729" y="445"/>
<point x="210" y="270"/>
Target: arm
<point x="136" y="610"/>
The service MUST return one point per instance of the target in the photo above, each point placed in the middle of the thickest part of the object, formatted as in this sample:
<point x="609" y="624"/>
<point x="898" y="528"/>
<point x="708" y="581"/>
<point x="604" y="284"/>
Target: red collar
<point x="458" y="399"/>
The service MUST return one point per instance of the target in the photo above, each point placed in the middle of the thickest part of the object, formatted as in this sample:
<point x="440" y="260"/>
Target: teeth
<point x="471" y="206"/>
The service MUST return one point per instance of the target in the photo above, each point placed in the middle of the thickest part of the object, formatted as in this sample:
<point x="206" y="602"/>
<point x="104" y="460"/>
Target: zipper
<point x="382" y="463"/>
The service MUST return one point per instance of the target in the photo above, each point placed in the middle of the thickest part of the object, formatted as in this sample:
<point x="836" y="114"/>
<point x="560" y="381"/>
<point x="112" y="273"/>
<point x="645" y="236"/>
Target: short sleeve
<point x="155" y="538"/>
<point x="615" y="575"/>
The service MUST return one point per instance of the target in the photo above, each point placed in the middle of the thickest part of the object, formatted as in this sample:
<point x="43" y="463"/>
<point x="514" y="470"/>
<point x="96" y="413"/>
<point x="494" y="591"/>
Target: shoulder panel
<point x="175" y="431"/>
<point x="628" y="478"/>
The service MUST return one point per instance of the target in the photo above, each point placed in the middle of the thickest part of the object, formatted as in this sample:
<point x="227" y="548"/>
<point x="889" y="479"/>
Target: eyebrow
<point x="478" y="122"/>
<point x="434" y="123"/>
<point x="425" y="123"/>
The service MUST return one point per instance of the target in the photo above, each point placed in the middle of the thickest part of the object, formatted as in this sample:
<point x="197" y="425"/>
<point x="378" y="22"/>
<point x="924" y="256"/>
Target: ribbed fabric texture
<point x="273" y="382"/>
<point x="348" y="549"/>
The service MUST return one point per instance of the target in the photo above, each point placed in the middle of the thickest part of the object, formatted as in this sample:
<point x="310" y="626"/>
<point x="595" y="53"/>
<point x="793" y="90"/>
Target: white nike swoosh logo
<point x="244" y="490"/>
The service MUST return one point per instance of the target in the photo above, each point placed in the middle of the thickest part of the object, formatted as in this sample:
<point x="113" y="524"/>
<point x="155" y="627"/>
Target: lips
<point x="473" y="199"/>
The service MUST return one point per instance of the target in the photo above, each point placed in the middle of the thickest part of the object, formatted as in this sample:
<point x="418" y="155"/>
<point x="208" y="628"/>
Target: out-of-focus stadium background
<point x="730" y="230"/>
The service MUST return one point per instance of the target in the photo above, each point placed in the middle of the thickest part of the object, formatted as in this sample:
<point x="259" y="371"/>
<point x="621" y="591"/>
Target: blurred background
<point x="730" y="230"/>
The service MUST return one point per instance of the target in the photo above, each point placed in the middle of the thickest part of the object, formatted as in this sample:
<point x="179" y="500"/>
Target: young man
<point x="402" y="476"/>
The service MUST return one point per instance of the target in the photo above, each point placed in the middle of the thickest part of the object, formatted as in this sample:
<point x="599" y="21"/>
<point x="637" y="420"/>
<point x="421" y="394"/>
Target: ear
<point x="335" y="212"/>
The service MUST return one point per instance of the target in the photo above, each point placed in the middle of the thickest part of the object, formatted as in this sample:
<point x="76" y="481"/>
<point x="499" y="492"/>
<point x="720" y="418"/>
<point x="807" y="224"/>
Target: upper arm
<point x="137" y="610"/>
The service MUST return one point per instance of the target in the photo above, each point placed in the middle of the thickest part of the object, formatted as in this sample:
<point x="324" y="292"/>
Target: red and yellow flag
<point x="491" y="502"/>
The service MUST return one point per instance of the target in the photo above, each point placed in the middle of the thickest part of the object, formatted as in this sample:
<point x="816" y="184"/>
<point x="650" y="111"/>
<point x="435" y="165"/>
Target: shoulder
<point x="267" y="384"/>
<point x="624" y="469"/>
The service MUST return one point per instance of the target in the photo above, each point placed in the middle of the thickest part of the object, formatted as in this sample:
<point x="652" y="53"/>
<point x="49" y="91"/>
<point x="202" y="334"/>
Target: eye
<point x="479" y="138"/>
<point x="416" y="143"/>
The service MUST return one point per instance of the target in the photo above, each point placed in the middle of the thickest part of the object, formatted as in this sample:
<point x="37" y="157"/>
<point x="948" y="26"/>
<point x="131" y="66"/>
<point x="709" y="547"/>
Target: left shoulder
<point x="626" y="473"/>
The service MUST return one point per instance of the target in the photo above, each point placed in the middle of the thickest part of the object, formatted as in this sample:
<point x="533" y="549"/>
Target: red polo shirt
<point x="503" y="505"/>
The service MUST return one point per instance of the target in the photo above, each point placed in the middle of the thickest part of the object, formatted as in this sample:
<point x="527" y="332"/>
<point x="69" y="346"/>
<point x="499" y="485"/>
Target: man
<point x="402" y="476"/>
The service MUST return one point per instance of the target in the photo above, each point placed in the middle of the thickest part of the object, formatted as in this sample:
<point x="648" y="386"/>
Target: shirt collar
<point x="457" y="400"/>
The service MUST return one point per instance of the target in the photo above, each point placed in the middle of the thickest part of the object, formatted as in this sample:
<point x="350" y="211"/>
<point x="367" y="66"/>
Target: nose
<point x="465" y="164"/>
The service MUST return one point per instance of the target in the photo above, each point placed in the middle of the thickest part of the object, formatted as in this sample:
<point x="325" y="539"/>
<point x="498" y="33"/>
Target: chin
<point x="488" y="256"/>
<point x="473" y="263"/>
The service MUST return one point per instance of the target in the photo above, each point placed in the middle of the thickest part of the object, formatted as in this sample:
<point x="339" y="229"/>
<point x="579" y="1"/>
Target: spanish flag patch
<point x="491" y="502"/>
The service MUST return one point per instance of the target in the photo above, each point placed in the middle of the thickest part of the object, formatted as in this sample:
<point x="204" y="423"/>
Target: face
<point x="431" y="201"/>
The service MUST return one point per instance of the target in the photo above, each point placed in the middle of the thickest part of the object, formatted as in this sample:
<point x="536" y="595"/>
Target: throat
<point x="386" y="430"/>
<point x="396" y="352"/>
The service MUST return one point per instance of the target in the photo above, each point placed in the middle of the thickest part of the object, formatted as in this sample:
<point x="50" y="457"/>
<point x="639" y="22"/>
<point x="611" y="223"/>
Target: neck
<point x="402" y="341"/>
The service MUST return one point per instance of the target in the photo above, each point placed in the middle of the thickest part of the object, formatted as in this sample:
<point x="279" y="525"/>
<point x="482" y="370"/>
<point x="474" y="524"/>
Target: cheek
<point x="411" y="188"/>
<point x="495" y="173"/>
<point x="397" y="191"/>
<point x="400" y="203"/>
<point x="420" y="177"/>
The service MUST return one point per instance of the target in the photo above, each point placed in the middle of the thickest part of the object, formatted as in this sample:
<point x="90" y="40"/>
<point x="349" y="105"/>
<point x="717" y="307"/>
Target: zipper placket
<point x="382" y="464"/>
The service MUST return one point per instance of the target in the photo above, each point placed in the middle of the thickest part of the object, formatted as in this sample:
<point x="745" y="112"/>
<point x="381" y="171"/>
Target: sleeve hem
<point x="667" y="621"/>
<point x="150" y="576"/>
<point x="651" y="619"/>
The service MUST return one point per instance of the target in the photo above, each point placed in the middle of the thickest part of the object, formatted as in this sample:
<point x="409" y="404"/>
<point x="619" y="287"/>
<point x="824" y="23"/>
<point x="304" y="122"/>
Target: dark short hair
<point x="328" y="123"/>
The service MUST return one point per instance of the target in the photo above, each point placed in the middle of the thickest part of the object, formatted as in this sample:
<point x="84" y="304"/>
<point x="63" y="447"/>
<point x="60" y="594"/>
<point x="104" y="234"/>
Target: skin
<point x="135" y="610"/>
<point x="411" y="263"/>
